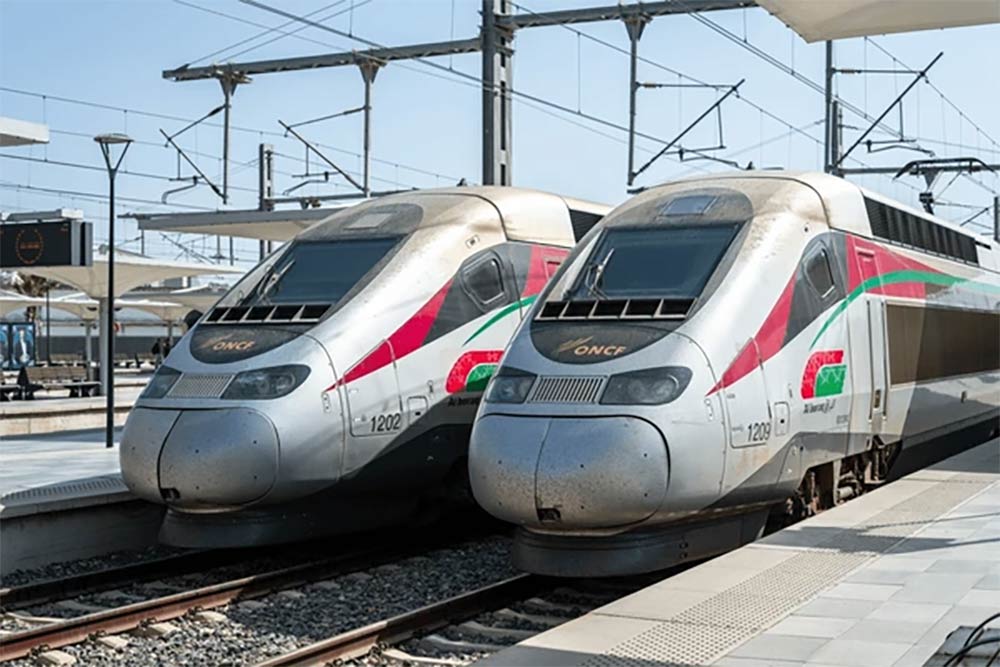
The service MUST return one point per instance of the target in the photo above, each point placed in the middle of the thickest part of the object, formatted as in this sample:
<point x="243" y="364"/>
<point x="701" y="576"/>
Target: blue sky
<point x="426" y="122"/>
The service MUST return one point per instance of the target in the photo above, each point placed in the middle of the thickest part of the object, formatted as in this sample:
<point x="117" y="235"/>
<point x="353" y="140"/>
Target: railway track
<point x="478" y="622"/>
<point x="62" y="633"/>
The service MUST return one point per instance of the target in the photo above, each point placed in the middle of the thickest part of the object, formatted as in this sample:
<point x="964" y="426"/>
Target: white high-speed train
<point x="721" y="347"/>
<point x="334" y="386"/>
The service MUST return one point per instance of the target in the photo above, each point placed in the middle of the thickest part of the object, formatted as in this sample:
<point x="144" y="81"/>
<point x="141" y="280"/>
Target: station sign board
<point x="61" y="243"/>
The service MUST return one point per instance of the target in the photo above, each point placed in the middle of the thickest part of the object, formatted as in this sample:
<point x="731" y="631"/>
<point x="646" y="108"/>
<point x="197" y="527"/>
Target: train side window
<point x="485" y="282"/>
<point x="819" y="274"/>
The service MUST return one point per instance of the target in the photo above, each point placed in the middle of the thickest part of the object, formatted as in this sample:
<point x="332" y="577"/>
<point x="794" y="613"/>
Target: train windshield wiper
<point x="595" y="275"/>
<point x="272" y="279"/>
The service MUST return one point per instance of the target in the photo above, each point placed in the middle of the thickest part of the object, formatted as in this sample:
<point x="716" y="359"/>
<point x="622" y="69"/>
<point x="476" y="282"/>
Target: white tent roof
<point x="253" y="224"/>
<point x="15" y="132"/>
<point x="131" y="271"/>
<point x="12" y="301"/>
<point x="817" y="20"/>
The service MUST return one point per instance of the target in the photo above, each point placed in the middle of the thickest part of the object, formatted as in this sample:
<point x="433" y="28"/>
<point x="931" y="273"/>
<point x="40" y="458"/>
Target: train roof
<point x="525" y="214"/>
<point x="844" y="209"/>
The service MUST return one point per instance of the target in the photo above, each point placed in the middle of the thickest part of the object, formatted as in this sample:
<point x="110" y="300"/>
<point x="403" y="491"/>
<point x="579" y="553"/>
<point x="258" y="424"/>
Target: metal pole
<point x="828" y="111"/>
<point x="231" y="259"/>
<point x="227" y="92"/>
<point x="265" y="186"/>
<point x="498" y="76"/>
<point x="369" y="68"/>
<point x="996" y="219"/>
<point x="142" y="242"/>
<point x="48" y="328"/>
<point x="634" y="27"/>
<point x="109" y="371"/>
<point x="835" y="135"/>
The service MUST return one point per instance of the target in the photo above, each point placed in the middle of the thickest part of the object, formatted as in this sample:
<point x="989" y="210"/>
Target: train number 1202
<point x="758" y="431"/>
<point x="386" y="423"/>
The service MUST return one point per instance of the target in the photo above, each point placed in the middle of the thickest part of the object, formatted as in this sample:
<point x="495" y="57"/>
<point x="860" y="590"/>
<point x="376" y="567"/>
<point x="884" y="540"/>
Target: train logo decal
<point x="573" y="343"/>
<point x="824" y="374"/>
<point x="472" y="371"/>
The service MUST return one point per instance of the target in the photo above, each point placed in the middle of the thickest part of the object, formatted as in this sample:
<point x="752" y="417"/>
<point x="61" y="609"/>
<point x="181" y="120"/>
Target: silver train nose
<point x="566" y="473"/>
<point x="195" y="459"/>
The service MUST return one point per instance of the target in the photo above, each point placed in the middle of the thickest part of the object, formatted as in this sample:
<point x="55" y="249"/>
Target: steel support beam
<point x="613" y="12"/>
<point x="852" y="171"/>
<point x="498" y="80"/>
<point x="429" y="50"/>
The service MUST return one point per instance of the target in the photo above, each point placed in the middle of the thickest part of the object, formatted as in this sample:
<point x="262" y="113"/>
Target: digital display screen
<point x="26" y="245"/>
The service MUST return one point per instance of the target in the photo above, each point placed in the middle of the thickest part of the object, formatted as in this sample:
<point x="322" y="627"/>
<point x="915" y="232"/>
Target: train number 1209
<point x="385" y="423"/>
<point x="758" y="431"/>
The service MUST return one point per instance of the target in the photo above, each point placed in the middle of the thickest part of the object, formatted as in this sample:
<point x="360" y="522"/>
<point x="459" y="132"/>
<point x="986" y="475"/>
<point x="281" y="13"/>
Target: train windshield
<point x="663" y="262"/>
<point x="315" y="272"/>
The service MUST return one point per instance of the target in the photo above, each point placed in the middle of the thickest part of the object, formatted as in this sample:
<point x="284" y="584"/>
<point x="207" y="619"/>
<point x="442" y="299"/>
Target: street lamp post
<point x="107" y="141"/>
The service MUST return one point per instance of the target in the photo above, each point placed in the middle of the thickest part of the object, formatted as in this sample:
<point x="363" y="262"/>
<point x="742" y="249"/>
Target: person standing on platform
<point x="157" y="351"/>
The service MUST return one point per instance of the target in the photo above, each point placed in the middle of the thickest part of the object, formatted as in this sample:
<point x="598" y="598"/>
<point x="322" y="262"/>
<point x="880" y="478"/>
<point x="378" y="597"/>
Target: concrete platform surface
<point x="55" y="415"/>
<point x="880" y="581"/>
<point x="28" y="461"/>
<point x="62" y="498"/>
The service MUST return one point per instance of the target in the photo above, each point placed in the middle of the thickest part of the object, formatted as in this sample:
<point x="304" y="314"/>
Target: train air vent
<point x="313" y="312"/>
<point x="285" y="313"/>
<point x="616" y="309"/>
<point x="566" y="389"/>
<point x="235" y="314"/>
<point x="641" y="309"/>
<point x="258" y="313"/>
<point x="216" y="314"/>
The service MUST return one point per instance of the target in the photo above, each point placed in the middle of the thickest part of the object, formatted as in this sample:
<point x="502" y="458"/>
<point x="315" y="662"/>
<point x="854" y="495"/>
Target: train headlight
<point x="510" y="385"/>
<point x="649" y="386"/>
<point x="266" y="383"/>
<point x="161" y="382"/>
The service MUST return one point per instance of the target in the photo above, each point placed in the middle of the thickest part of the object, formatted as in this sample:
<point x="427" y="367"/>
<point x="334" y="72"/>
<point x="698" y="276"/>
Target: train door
<point x="869" y="409"/>
<point x="373" y="400"/>
<point x="748" y="407"/>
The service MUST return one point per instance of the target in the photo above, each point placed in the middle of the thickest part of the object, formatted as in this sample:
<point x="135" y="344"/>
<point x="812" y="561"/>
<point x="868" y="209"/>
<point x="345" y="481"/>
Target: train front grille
<point x="200" y="385"/>
<point x="568" y="389"/>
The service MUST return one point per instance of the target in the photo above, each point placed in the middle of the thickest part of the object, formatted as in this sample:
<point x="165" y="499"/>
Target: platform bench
<point x="73" y="378"/>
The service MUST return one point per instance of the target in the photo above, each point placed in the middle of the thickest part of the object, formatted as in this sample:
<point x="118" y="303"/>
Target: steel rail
<point x="128" y="617"/>
<point x="18" y="597"/>
<point x="359" y="641"/>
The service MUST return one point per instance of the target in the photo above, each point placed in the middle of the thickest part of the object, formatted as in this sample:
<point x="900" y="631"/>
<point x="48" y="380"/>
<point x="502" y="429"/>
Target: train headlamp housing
<point x="161" y="382"/>
<point x="510" y="385"/>
<point x="648" y="386"/>
<point x="265" y="383"/>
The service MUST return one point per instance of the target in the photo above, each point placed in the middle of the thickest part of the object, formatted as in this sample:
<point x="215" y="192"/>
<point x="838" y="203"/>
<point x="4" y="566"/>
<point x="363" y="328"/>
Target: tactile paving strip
<point x="712" y="628"/>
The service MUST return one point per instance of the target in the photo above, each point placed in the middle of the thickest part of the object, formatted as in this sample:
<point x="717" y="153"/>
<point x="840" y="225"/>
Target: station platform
<point x="55" y="415"/>
<point x="881" y="581"/>
<point x="62" y="498"/>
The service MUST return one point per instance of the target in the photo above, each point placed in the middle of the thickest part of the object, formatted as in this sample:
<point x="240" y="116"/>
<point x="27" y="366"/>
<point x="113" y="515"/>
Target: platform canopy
<point x="200" y="297"/>
<point x="15" y="132"/>
<point x="86" y="308"/>
<point x="819" y="20"/>
<point x="12" y="301"/>
<point x="131" y="271"/>
<point x="250" y="224"/>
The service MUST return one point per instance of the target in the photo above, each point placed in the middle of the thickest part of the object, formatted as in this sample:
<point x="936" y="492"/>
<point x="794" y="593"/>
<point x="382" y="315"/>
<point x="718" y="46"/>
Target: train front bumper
<point x="211" y="459"/>
<point x="568" y="473"/>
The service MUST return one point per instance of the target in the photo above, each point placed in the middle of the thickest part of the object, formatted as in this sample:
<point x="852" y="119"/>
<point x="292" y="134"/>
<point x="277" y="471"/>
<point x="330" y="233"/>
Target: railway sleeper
<point x="409" y="658"/>
<point x="438" y="642"/>
<point x="511" y="635"/>
<point x="543" y="622"/>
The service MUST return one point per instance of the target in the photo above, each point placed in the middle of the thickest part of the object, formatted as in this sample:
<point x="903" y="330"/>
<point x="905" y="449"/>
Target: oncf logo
<point x="582" y="347"/>
<point x="598" y="350"/>
<point x="234" y="345"/>
<point x="824" y="374"/>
